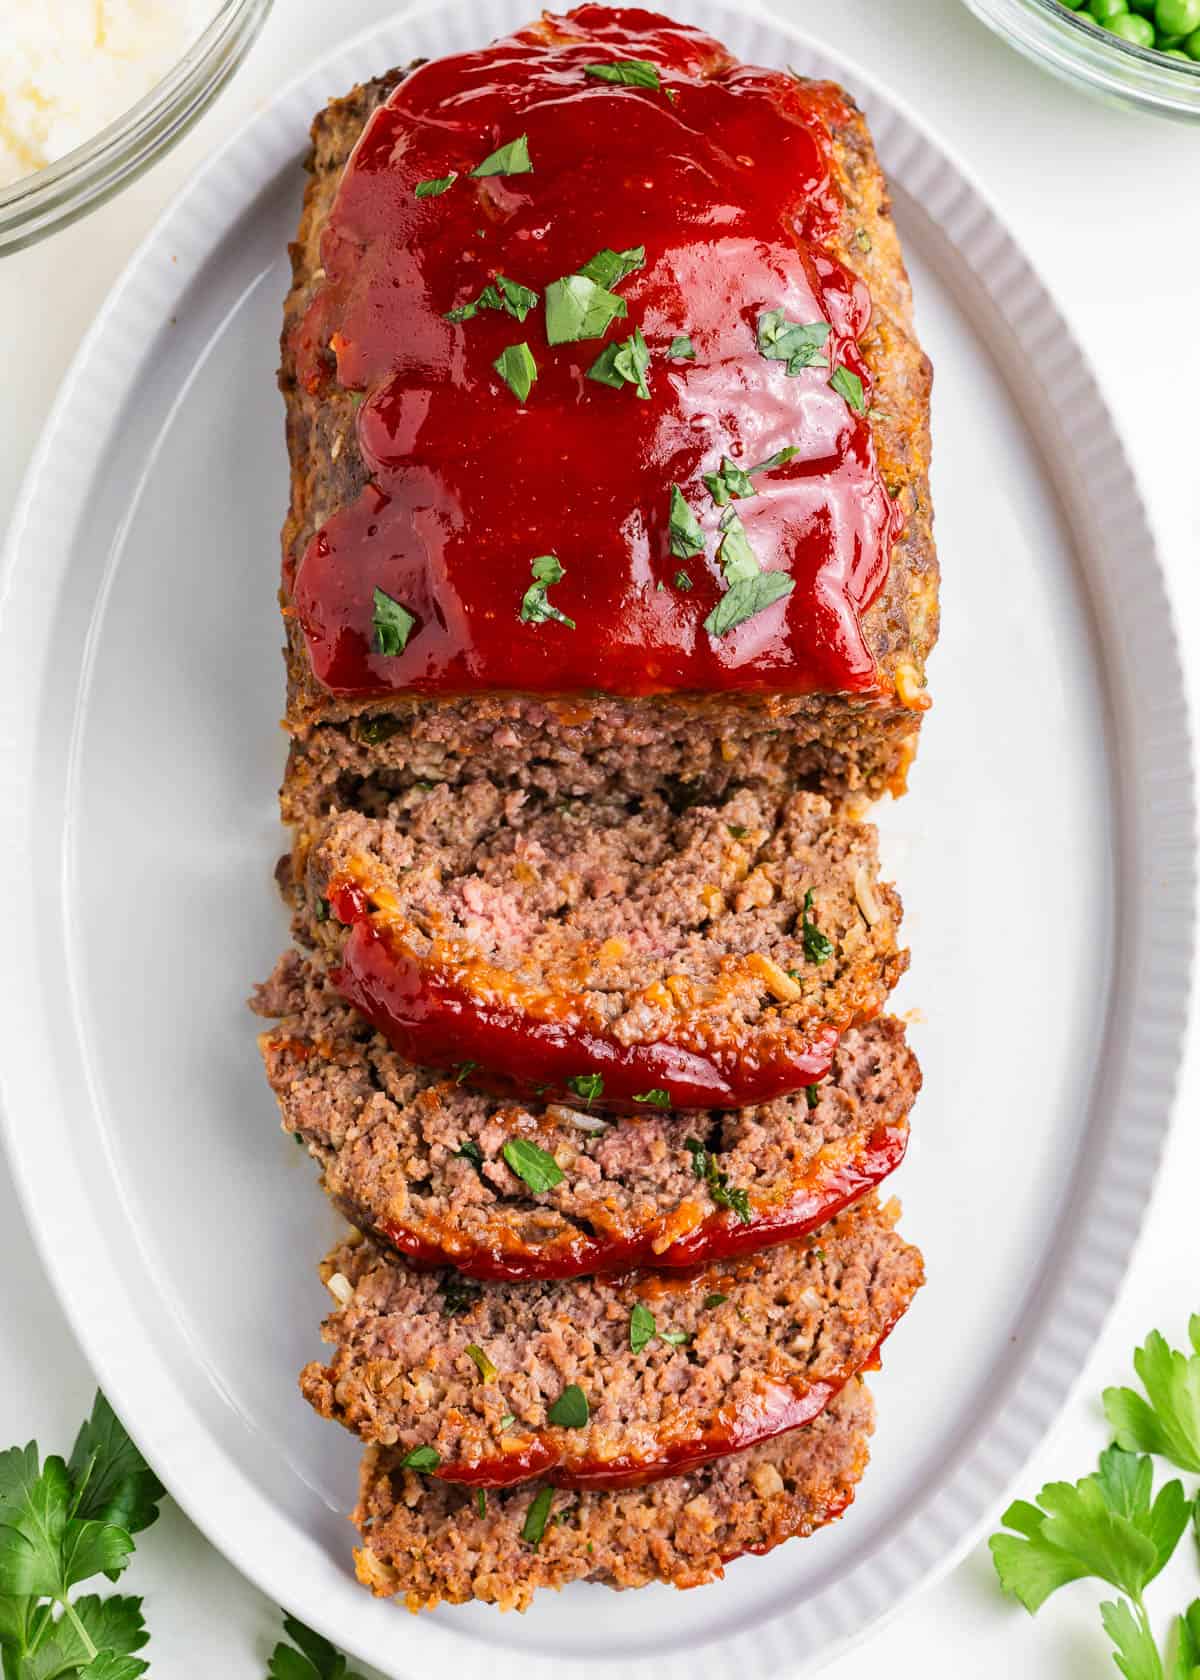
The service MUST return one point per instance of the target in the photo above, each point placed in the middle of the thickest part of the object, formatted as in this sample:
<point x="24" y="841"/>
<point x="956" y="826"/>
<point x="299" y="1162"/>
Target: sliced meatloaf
<point x="586" y="738"/>
<point x="618" y="954"/>
<point x="429" y="1542"/>
<point x="606" y="1381"/>
<point x="419" y="1160"/>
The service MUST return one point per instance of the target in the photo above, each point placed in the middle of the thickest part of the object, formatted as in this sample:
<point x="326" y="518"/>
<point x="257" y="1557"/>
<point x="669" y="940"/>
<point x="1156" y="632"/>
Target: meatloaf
<point x="598" y="952"/>
<point x="429" y="1542"/>
<point x="419" y="1160"/>
<point x="606" y="1381"/>
<point x="407" y="449"/>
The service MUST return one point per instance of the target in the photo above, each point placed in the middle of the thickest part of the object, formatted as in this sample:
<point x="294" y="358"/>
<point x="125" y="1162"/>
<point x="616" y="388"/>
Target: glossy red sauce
<point x="723" y="175"/>
<point x="721" y="1236"/>
<point x="549" y="1458"/>
<point x="434" y="1019"/>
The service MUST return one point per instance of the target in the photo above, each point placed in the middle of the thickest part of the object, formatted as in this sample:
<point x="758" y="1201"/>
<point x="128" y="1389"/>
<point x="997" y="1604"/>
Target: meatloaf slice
<point x="429" y="1542"/>
<point x="606" y="1381"/>
<point x="419" y="1160"/>
<point x="621" y="954"/>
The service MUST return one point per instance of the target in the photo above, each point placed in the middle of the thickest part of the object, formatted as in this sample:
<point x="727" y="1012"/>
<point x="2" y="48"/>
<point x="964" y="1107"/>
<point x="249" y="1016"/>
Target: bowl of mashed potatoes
<point x="93" y="91"/>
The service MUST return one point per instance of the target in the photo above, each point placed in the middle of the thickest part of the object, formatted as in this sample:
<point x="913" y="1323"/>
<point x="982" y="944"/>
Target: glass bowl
<point x="48" y="199"/>
<point x="1075" y="47"/>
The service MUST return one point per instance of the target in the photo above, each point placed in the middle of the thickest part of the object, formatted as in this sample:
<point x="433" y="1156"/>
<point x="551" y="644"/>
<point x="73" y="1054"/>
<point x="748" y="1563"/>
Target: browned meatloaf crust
<point x="576" y="745"/>
<point x="418" y="1159"/>
<point x="606" y="1381"/>
<point x="429" y="1542"/>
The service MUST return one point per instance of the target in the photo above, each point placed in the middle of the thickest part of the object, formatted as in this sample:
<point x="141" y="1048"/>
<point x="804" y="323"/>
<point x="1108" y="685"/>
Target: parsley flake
<point x="392" y="623"/>
<point x="723" y="1194"/>
<point x="537" y="1516"/>
<point x="716" y="1299"/>
<point x="730" y="481"/>
<point x="798" y="344"/>
<point x="470" y="1151"/>
<point x="481" y="1501"/>
<point x="570" y="1410"/>
<point x="687" y="539"/>
<point x="812" y="1095"/>
<point x="817" y="947"/>
<point x="621" y="364"/>
<point x="463" y="1071"/>
<point x="481" y="1362"/>
<point x="683" y="581"/>
<point x="642" y="1328"/>
<point x="587" y="1085"/>
<point x="578" y="308"/>
<point x="436" y="187"/>
<point x="536" y="607"/>
<point x="682" y="347"/>
<point x="850" y="386"/>
<point x="627" y="72"/>
<point x="517" y="368"/>
<point x="608" y="267"/>
<point x="656" y="1097"/>
<point x="539" y="1170"/>
<point x="423" y="1459"/>
<point x="503" y="294"/>
<point x="512" y="159"/>
<point x="459" y="1293"/>
<point x="506" y="1422"/>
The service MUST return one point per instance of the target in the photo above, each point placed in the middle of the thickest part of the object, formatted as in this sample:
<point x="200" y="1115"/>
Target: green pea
<point x="1139" y="30"/>
<point x="1192" y="45"/>
<point x="1177" y="17"/>
<point x="1102" y="10"/>
<point x="1164" y="43"/>
<point x="1146" y="7"/>
<point x="1072" y="5"/>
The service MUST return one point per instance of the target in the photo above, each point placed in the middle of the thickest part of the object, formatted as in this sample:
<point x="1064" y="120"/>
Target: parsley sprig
<point x="308" y="1657"/>
<point x="1112" y="1526"/>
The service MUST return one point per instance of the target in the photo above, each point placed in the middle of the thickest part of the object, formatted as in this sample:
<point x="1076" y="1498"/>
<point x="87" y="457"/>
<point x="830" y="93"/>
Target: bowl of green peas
<point x="1143" y="53"/>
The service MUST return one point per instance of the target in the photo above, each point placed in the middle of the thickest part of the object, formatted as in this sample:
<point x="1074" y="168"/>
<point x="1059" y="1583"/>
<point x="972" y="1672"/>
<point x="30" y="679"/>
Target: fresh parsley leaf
<point x="850" y="386"/>
<point x="719" y="1188"/>
<point x="392" y="623"/>
<point x="436" y="187"/>
<point x="532" y="1165"/>
<point x="517" y="368"/>
<point x="463" y="1071"/>
<point x="627" y="72"/>
<point x="777" y="460"/>
<point x="423" y="1459"/>
<point x="536" y="606"/>
<point x="626" y="363"/>
<point x="798" y="344"/>
<point x="683" y="581"/>
<point x="44" y="1550"/>
<point x="98" y="1636"/>
<point x="817" y="947"/>
<point x="503" y="294"/>
<point x="315" y="1658"/>
<point x="570" y="1410"/>
<point x="481" y="1501"/>
<point x="730" y="481"/>
<point x="587" y="1085"/>
<point x="577" y="308"/>
<point x="608" y="267"/>
<point x="537" y="1516"/>
<point x="1187" y="1643"/>
<point x="377" y="729"/>
<point x="656" y="1097"/>
<point x="113" y="1481"/>
<point x="111" y="1665"/>
<point x="1136" y="1653"/>
<point x="459" y="1293"/>
<point x="738" y="560"/>
<point x="512" y="159"/>
<point x="812" y="1095"/>
<point x="470" y="1151"/>
<point x="687" y="539"/>
<point x="715" y="1299"/>
<point x="642" y="1328"/>
<point x="506" y="1422"/>
<point x="746" y="599"/>
<point x="682" y="347"/>
<point x="1167" y="1420"/>
<point x="482" y="1363"/>
<point x="675" y="1338"/>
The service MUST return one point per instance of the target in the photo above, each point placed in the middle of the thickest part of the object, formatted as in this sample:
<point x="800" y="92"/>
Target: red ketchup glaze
<point x="781" y="1410"/>
<point x="722" y="1236"/>
<point x="723" y="175"/>
<point x="435" y="1022"/>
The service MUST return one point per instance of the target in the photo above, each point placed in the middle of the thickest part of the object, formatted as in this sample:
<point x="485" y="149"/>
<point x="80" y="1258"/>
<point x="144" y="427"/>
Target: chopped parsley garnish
<point x="812" y="1095"/>
<point x="776" y="460"/>
<point x="683" y="581"/>
<point x="308" y="1657"/>
<point x="534" y="1166"/>
<point x="642" y="1328"/>
<point x="587" y="1085"/>
<point x="482" y="1363"/>
<point x="392" y="623"/>
<point x="377" y="729"/>
<point x="850" y="386"/>
<point x="512" y="159"/>
<point x="687" y="539"/>
<point x="683" y="347"/>
<point x="656" y="1097"/>
<point x="436" y="187"/>
<point x="750" y="589"/>
<point x="737" y="830"/>
<point x="714" y="1300"/>
<point x="322" y="911"/>
<point x="517" y="368"/>
<point x="798" y="344"/>
<point x="570" y="1410"/>
<point x="423" y="1459"/>
<point x="470" y="1151"/>
<point x="731" y="480"/>
<point x="817" y="948"/>
<point x="675" y="1338"/>
<point x="464" y="1071"/>
<point x="537" y="1516"/>
<point x="738" y="559"/>
<point x="627" y="72"/>
<point x="481" y="1501"/>
<point x="723" y="1194"/>
<point x="506" y="1422"/>
<point x="536" y="606"/>
<point x="577" y="307"/>
<point x="862" y="239"/>
<point x="608" y="267"/>
<point x="626" y="363"/>
<point x="459" y="1294"/>
<point x="503" y="294"/>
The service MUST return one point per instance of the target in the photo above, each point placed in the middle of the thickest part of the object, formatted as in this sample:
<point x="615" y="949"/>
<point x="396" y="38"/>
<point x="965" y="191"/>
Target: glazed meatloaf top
<point x="617" y="954"/>
<point x="436" y="1169"/>
<point x="669" y="323"/>
<point x="606" y="1382"/>
<point x="429" y="1542"/>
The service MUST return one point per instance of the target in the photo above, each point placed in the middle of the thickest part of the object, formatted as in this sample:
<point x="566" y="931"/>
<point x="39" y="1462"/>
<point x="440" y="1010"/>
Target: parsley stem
<point x="69" y="1613"/>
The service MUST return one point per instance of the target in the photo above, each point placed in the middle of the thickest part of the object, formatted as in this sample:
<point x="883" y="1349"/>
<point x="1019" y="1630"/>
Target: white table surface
<point x="1108" y="206"/>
